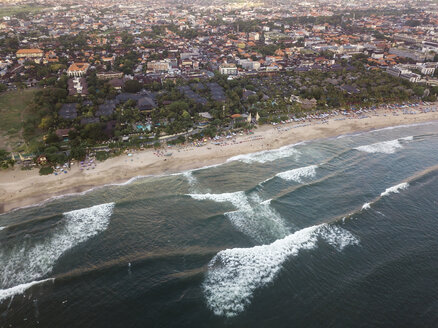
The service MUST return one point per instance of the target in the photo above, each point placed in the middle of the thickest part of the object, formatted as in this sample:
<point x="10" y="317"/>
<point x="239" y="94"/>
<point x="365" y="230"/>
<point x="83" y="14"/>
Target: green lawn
<point x="14" y="10"/>
<point x="13" y="110"/>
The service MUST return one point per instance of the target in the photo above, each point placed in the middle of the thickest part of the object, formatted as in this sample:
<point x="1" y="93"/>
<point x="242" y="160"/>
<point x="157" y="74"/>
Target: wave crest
<point x="299" y="173"/>
<point x="395" y="189"/>
<point x="266" y="155"/>
<point x="30" y="260"/>
<point x="20" y="289"/>
<point x="385" y="147"/>
<point x="234" y="274"/>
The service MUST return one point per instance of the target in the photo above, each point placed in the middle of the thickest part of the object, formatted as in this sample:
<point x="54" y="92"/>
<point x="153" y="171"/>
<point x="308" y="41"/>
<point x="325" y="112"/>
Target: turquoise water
<point x="336" y="233"/>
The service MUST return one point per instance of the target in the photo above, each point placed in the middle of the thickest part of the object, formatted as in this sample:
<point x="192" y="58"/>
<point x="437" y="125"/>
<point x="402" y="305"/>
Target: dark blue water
<point x="340" y="232"/>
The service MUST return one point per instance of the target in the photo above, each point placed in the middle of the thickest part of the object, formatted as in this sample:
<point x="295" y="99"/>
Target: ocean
<point x="340" y="232"/>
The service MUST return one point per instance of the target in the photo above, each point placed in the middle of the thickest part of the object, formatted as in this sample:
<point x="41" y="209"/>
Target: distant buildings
<point x="408" y="53"/>
<point x="249" y="65"/>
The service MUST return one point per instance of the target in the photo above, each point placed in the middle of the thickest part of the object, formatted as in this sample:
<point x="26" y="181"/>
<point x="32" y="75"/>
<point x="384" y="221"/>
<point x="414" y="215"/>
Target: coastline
<point x="27" y="188"/>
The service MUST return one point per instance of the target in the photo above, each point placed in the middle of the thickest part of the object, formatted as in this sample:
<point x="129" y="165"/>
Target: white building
<point x="228" y="69"/>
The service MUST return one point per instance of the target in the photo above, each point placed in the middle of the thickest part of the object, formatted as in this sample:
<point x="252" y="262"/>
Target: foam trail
<point x="20" y="289"/>
<point x="234" y="274"/>
<point x="190" y="177"/>
<point x="387" y="128"/>
<point x="252" y="217"/>
<point x="395" y="189"/>
<point x="299" y="173"/>
<point x="385" y="147"/>
<point x="238" y="199"/>
<point x="366" y="206"/>
<point x="31" y="259"/>
<point x="266" y="155"/>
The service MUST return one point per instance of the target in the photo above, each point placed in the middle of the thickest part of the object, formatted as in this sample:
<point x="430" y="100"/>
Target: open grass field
<point x="14" y="10"/>
<point x="13" y="110"/>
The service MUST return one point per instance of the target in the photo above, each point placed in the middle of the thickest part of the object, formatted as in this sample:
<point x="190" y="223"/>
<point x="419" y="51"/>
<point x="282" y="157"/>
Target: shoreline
<point x="21" y="189"/>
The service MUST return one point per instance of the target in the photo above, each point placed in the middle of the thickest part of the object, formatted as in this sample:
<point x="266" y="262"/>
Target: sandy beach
<point x="20" y="188"/>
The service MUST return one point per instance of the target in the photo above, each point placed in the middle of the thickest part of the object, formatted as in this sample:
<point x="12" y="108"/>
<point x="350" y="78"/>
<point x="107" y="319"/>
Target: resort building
<point x="30" y="53"/>
<point x="78" y="69"/>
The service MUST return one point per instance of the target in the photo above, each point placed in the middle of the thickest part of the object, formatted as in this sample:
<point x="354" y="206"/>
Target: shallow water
<point x="337" y="233"/>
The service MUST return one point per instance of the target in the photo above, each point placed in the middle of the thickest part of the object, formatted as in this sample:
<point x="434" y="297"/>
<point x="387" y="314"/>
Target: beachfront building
<point x="78" y="69"/>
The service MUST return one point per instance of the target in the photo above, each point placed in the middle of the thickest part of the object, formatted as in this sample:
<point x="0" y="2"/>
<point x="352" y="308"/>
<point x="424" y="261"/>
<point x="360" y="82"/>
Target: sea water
<point x="339" y="232"/>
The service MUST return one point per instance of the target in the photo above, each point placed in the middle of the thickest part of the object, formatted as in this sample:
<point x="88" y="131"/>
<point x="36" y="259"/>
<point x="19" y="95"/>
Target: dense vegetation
<point x="273" y="97"/>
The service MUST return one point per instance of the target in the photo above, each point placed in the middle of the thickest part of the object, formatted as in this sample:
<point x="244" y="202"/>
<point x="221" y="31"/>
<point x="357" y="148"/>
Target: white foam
<point x="337" y="237"/>
<point x="267" y="155"/>
<point x="366" y="206"/>
<point x="395" y="189"/>
<point x="238" y="199"/>
<point x="32" y="259"/>
<point x="20" y="289"/>
<point x="385" y="147"/>
<point x="191" y="179"/>
<point x="234" y="274"/>
<point x="299" y="173"/>
<point x="267" y="202"/>
<point x="252" y="217"/>
<point x="1" y="228"/>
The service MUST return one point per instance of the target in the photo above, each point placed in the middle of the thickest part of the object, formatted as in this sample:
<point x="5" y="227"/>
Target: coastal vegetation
<point x="272" y="97"/>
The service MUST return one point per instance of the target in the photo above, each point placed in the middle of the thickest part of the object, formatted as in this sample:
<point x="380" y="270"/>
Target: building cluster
<point x="155" y="41"/>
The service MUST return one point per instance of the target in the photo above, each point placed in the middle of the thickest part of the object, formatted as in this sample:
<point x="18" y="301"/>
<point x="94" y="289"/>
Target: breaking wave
<point x="20" y="289"/>
<point x="1" y="228"/>
<point x="30" y="260"/>
<point x="253" y="217"/>
<point x="190" y="177"/>
<point x="385" y="147"/>
<point x="395" y="189"/>
<point x="366" y="206"/>
<point x="299" y="173"/>
<point x="234" y="274"/>
<point x="266" y="155"/>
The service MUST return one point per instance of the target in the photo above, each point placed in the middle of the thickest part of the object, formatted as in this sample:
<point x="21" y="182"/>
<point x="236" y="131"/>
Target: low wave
<point x="395" y="189"/>
<point x="234" y="274"/>
<point x="30" y="260"/>
<point x="384" y="129"/>
<point x="20" y="289"/>
<point x="385" y="147"/>
<point x="299" y="173"/>
<point x="253" y="217"/>
<point x="267" y="155"/>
